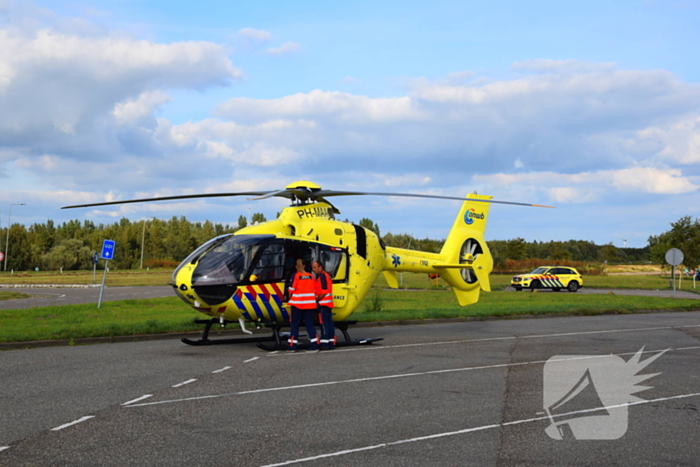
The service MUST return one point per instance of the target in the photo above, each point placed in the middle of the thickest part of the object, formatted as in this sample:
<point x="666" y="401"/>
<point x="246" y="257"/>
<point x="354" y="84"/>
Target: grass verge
<point x="163" y="315"/>
<point x="12" y="295"/>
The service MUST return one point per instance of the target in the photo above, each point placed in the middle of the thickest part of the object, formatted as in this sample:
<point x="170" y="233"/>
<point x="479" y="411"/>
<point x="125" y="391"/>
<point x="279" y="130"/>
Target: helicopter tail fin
<point x="465" y="245"/>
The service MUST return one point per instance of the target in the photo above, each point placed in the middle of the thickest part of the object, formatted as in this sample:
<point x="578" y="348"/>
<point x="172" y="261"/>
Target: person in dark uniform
<point x="324" y="297"/>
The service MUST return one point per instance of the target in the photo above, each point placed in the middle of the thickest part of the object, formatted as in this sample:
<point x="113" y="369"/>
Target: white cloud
<point x="406" y="180"/>
<point x="648" y="180"/>
<point x="265" y="155"/>
<point x="257" y="35"/>
<point x="72" y="94"/>
<point x="88" y="101"/>
<point x="286" y="48"/>
<point x="590" y="186"/>
<point x="334" y="105"/>
<point x="561" y="66"/>
<point x="134" y="110"/>
<point x="680" y="140"/>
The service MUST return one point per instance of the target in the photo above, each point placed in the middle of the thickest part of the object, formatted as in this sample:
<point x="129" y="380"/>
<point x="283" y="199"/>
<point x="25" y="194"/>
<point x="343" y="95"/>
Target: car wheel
<point x="535" y="285"/>
<point x="518" y="289"/>
<point x="573" y="286"/>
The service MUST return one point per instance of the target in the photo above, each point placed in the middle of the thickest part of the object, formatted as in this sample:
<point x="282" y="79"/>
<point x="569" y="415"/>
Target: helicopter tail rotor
<point x="466" y="246"/>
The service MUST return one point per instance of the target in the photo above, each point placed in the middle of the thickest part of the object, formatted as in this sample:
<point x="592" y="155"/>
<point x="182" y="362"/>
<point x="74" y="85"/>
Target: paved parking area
<point x="470" y="393"/>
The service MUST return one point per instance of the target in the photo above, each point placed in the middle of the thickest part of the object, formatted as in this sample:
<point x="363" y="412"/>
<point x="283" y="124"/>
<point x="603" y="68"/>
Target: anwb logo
<point x="588" y="397"/>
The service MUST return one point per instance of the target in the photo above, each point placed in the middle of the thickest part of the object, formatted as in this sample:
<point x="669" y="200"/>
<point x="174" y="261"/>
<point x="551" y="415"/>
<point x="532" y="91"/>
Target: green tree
<point x="684" y="235"/>
<point x="610" y="253"/>
<point x="70" y="254"/>
<point x="559" y="251"/>
<point x="516" y="249"/>
<point x="369" y="225"/>
<point x="258" y="218"/>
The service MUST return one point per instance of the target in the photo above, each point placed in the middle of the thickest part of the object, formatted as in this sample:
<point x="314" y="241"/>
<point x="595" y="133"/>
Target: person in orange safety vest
<point x="324" y="297"/>
<point x="302" y="300"/>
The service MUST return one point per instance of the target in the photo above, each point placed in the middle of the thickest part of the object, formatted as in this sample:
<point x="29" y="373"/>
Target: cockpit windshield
<point x="228" y="262"/>
<point x="194" y="256"/>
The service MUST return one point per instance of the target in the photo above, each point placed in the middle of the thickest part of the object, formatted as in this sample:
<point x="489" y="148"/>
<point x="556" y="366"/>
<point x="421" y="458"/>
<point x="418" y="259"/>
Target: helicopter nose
<point x="215" y="294"/>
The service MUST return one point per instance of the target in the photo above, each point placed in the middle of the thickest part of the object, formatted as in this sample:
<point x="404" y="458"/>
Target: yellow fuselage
<point x="359" y="256"/>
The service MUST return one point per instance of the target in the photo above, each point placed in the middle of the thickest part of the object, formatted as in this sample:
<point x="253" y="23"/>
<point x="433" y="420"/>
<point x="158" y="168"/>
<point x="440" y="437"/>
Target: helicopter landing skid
<point x="340" y="325"/>
<point x="204" y="340"/>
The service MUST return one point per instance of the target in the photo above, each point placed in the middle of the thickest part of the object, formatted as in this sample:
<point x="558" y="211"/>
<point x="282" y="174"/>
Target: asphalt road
<point x="447" y="394"/>
<point x="51" y="296"/>
<point x="663" y="293"/>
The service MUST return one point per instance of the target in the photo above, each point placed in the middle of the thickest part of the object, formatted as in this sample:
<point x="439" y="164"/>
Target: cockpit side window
<point x="269" y="266"/>
<point x="334" y="261"/>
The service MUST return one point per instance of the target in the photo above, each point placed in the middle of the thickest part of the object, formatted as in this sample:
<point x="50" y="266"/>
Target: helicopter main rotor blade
<point x="325" y="193"/>
<point x="300" y="193"/>
<point x="270" y="195"/>
<point x="170" y="198"/>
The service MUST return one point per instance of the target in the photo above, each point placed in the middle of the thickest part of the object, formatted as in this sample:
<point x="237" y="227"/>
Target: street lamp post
<point x="143" y="238"/>
<point x="7" y="238"/>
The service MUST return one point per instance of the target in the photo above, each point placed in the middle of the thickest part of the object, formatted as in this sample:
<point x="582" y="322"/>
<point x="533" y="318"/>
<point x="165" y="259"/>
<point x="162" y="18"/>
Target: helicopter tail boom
<point x="464" y="261"/>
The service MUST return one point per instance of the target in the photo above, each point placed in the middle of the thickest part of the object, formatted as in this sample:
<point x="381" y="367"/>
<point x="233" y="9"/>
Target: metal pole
<point x="143" y="239"/>
<point x="104" y="278"/>
<point x="673" y="279"/>
<point x="7" y="238"/>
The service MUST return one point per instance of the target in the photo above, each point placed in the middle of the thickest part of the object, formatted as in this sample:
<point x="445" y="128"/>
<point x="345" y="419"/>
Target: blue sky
<point x="593" y="107"/>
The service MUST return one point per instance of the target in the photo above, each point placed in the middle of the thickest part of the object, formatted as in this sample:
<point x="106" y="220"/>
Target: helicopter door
<point x="335" y="262"/>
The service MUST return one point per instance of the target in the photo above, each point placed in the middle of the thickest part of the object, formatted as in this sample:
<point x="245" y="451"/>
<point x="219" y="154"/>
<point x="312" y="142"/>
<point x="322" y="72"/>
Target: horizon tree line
<point x="165" y="243"/>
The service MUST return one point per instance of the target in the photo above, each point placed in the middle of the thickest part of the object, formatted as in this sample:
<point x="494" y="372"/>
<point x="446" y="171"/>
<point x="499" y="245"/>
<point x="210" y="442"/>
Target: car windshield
<point x="539" y="271"/>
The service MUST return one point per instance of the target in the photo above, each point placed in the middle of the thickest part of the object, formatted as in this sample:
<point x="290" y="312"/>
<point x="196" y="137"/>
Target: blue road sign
<point x="95" y="258"/>
<point x="108" y="249"/>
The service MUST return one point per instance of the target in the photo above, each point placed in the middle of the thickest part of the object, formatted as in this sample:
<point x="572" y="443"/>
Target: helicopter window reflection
<point x="228" y="262"/>
<point x="334" y="262"/>
<point x="269" y="267"/>
<point x="194" y="256"/>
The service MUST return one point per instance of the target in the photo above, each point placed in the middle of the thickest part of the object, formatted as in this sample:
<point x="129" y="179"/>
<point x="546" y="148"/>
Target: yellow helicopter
<point x="241" y="277"/>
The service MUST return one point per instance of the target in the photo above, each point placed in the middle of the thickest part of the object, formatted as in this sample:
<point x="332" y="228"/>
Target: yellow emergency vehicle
<point x="549" y="277"/>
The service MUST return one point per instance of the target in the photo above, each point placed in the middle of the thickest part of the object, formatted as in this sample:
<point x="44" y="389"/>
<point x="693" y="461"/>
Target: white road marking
<point x="475" y="429"/>
<point x="250" y="360"/>
<point x="492" y="339"/>
<point x="222" y="369"/>
<point x="2" y="448"/>
<point x="146" y="396"/>
<point x="80" y="420"/>
<point x="401" y="375"/>
<point x="185" y="382"/>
